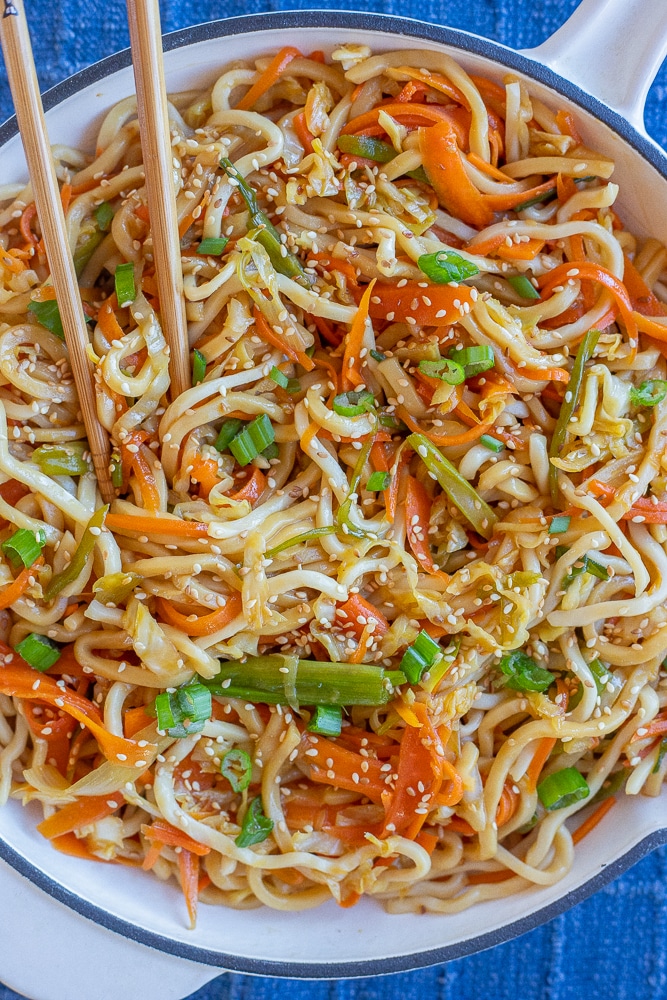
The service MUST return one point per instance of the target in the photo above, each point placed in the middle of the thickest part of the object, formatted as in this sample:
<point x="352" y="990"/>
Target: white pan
<point x="600" y="65"/>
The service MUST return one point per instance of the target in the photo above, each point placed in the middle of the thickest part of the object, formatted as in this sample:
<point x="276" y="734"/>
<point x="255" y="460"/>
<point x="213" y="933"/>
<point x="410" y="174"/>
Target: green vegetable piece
<point x="194" y="701"/>
<point x="279" y="377"/>
<point x="104" y="214"/>
<point x="377" y="355"/>
<point x="38" y="651"/>
<point x="271" y="451"/>
<point x="198" y="367"/>
<point x="227" y="433"/>
<point x="305" y="536"/>
<point x="493" y="444"/>
<point x="213" y="246"/>
<point x="115" y="587"/>
<point x="85" y="251"/>
<point x="327" y="720"/>
<point x="559" y="524"/>
<point x="457" y="488"/>
<point x="474" y="360"/>
<point x="445" y="266"/>
<point x="649" y="393"/>
<point x="413" y="665"/>
<point x="62" y="460"/>
<point x="185" y="711"/>
<point x="367" y="147"/>
<point x="585" y="565"/>
<point x="523" y="674"/>
<point x="236" y="767"/>
<point x="547" y="195"/>
<point x="562" y="789"/>
<point x="256" y="826"/>
<point x="126" y="291"/>
<point x="253" y="439"/>
<point x="24" y="547"/>
<point x="66" y="576"/>
<point x="378" y="481"/>
<point x="523" y="286"/>
<point x="47" y="315"/>
<point x="446" y="370"/>
<point x="427" y="647"/>
<point x="352" y="404"/>
<point x="569" y="405"/>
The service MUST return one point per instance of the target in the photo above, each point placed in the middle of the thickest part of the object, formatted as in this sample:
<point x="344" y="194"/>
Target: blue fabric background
<point x="612" y="945"/>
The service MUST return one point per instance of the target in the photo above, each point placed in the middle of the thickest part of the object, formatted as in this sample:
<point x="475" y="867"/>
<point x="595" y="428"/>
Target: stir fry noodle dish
<point x="379" y="607"/>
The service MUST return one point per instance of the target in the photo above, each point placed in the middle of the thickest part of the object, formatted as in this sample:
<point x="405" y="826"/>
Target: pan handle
<point x="612" y="49"/>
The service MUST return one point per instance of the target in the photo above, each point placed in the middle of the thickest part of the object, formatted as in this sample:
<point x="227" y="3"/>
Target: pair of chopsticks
<point x="145" y="33"/>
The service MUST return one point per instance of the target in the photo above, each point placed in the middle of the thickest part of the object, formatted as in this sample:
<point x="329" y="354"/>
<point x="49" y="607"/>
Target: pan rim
<point x="645" y="147"/>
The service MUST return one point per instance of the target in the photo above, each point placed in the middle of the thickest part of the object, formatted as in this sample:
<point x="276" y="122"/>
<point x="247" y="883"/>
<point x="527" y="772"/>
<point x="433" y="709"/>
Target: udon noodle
<point x="379" y="608"/>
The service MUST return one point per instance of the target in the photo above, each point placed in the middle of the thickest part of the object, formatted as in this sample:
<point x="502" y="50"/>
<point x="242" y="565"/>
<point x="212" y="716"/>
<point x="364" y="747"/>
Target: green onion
<point x="352" y="404"/>
<point x="367" y="147"/>
<point x="198" y="367"/>
<point x="60" y="580"/>
<point x="559" y="524"/>
<point x="649" y="393"/>
<point x="104" y="214"/>
<point x="24" y="546"/>
<point x="271" y="451"/>
<point x="227" y="433"/>
<point x="167" y="711"/>
<point x="62" y="460"/>
<point x="661" y="756"/>
<point x="441" y="665"/>
<point x="126" y="291"/>
<point x="585" y="565"/>
<point x="445" y="266"/>
<point x="38" y="651"/>
<point x="545" y="196"/>
<point x="561" y="550"/>
<point x="523" y="674"/>
<point x="256" y="826"/>
<point x="378" y="481"/>
<point x="293" y="386"/>
<point x="569" y="405"/>
<point x="195" y="702"/>
<point x="267" y="235"/>
<point x="601" y="675"/>
<point x="458" y="489"/>
<point x="562" y="788"/>
<point x="445" y="369"/>
<point x="236" y="767"/>
<point x="305" y="536"/>
<point x="47" y="315"/>
<point x="116" y="471"/>
<point x="279" y="377"/>
<point x="213" y="246"/>
<point x="85" y="251"/>
<point x="419" y="656"/>
<point x="377" y="355"/>
<point x="253" y="439"/>
<point x="523" y="286"/>
<point x="260" y="679"/>
<point x="474" y="360"/>
<point x="185" y="711"/>
<point x="327" y="720"/>
<point x="493" y="444"/>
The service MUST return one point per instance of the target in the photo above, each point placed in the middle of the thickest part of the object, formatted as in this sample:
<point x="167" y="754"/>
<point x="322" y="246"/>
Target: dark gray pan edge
<point x="500" y="54"/>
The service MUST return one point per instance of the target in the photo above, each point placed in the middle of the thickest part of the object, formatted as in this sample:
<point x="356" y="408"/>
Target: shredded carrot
<point x="148" y="487"/>
<point x="656" y="727"/>
<point x="18" y="587"/>
<point x="83" y="812"/>
<point x="330" y="263"/>
<point x="398" y="479"/>
<point x="204" y="472"/>
<point x="204" y="624"/>
<point x="303" y="133"/>
<point x="356" y="608"/>
<point x="66" y="197"/>
<point x="109" y="324"/>
<point x="25" y="226"/>
<point x="484" y="878"/>
<point x="171" y="836"/>
<point x="253" y="488"/>
<point x="427" y="840"/>
<point x="346" y="766"/>
<point x="441" y="307"/>
<point x="271" y="75"/>
<point x="188" y="869"/>
<point x="266" y="333"/>
<point x="593" y="820"/>
<point x="418" y="517"/>
<point x="509" y="800"/>
<point x="444" y="440"/>
<point x="153" y="525"/>
<point x="350" y="375"/>
<point x="643" y="300"/>
<point x="568" y="126"/>
<point x="540" y="757"/>
<point x="134" y="720"/>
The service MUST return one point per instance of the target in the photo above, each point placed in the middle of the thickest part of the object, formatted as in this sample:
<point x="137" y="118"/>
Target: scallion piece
<point x="446" y="370"/>
<point x="523" y="674"/>
<point x="60" y="580"/>
<point x="493" y="444"/>
<point x="585" y="565"/>
<point x="168" y="711"/>
<point x="367" y="147"/>
<point x="352" y="404"/>
<point x="649" y="393"/>
<point x="126" y="291"/>
<point x="85" y="251"/>
<point x="47" y="315"/>
<point x="253" y="439"/>
<point x="427" y="647"/>
<point x="600" y="673"/>
<point x="559" y="524"/>
<point x="227" y="433"/>
<point x="24" y="547"/>
<point x="278" y="377"/>
<point x="116" y="471"/>
<point x="445" y="266"/>
<point x="195" y="702"/>
<point x="419" y="656"/>
<point x="38" y="651"/>
<point x="271" y="451"/>
<point x="523" y="286"/>
<point x="183" y="712"/>
<point x="260" y="679"/>
<point x="562" y="788"/>
<point x="547" y="195"/>
<point x="457" y="488"/>
<point x="62" y="460"/>
<point x="104" y="214"/>
<point x="474" y="360"/>
<point x="377" y="355"/>
<point x="569" y="405"/>
<point x="213" y="246"/>
<point x="198" y="367"/>
<point x="378" y="481"/>
<point x="293" y="386"/>
<point x="256" y="826"/>
<point x="236" y="767"/>
<point x="305" y="536"/>
<point x="327" y="720"/>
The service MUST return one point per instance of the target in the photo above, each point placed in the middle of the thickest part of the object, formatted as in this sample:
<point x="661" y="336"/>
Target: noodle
<point x="379" y="605"/>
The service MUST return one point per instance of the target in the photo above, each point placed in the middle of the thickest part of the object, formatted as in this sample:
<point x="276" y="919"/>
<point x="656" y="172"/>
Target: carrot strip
<point x="442" y="305"/>
<point x="588" y="271"/>
<point x="150" y="494"/>
<point x="418" y="515"/>
<point x="18" y="587"/>
<point x="188" y="868"/>
<point x="253" y="488"/>
<point x="357" y="607"/>
<point x="204" y="624"/>
<point x="106" y="317"/>
<point x="346" y="766"/>
<point x="540" y="757"/>
<point x="568" y="126"/>
<point x="643" y="300"/>
<point x="266" y="333"/>
<point x="134" y="720"/>
<point x="350" y="375"/>
<point x="171" y="836"/>
<point x="271" y="75"/>
<point x="205" y="473"/>
<point x="156" y="525"/>
<point x="83" y="812"/>
<point x="444" y="440"/>
<point x="25" y="225"/>
<point x="303" y="133"/>
<point x="593" y="820"/>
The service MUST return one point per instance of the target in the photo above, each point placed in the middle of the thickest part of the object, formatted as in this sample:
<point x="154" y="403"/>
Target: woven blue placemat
<point x="612" y="945"/>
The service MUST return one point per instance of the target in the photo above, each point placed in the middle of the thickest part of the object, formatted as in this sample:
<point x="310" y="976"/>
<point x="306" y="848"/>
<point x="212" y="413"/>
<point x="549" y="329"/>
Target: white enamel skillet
<point x="600" y="64"/>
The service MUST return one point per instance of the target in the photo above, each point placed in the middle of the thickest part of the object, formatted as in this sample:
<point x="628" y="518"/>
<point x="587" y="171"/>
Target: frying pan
<point x="600" y="65"/>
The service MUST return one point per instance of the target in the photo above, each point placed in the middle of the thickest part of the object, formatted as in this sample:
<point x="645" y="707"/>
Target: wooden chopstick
<point x="23" y="84"/>
<point x="146" y="41"/>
